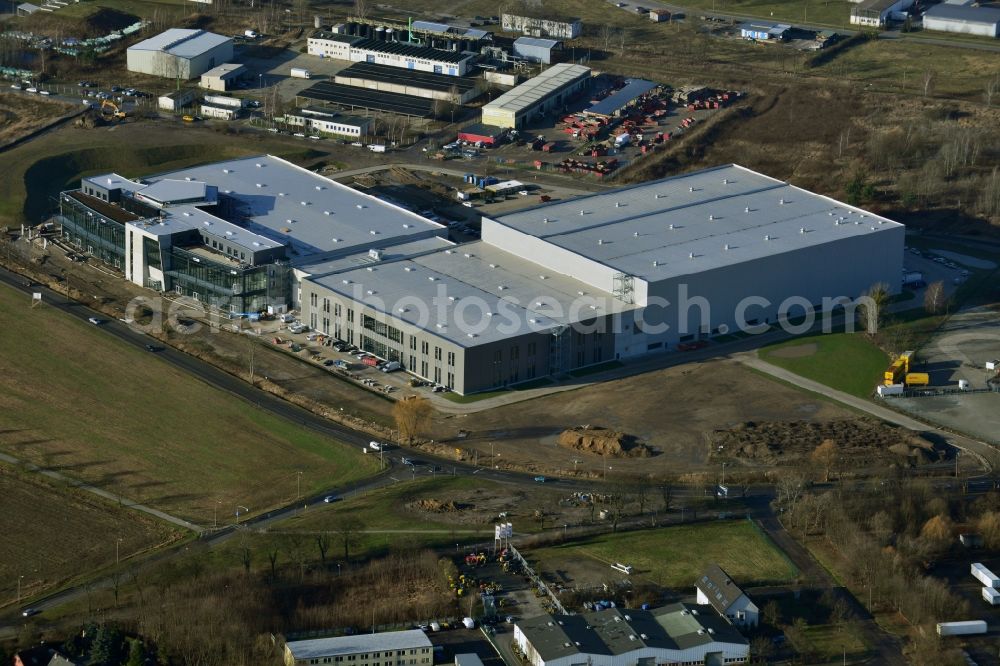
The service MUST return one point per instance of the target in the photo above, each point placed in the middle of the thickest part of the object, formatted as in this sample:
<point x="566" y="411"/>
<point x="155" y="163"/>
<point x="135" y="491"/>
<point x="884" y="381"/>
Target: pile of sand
<point x="603" y="442"/>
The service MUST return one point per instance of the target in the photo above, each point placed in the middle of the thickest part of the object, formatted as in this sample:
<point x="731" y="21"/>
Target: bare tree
<point x="826" y="455"/>
<point x="667" y="494"/>
<point x="323" y="543"/>
<point x="928" y="81"/>
<point x="362" y="8"/>
<point x="623" y="36"/>
<point x="992" y="88"/>
<point x="871" y="307"/>
<point x="607" y="33"/>
<point x="246" y="557"/>
<point x="411" y="415"/>
<point x="347" y="529"/>
<point x="934" y="298"/>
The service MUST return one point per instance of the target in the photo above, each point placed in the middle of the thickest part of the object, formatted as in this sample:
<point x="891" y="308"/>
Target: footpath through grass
<point x="676" y="556"/>
<point x="848" y="362"/>
<point x="77" y="399"/>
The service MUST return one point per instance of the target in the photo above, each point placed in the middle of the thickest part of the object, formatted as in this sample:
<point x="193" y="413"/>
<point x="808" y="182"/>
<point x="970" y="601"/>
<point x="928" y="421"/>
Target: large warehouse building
<point x="547" y="290"/>
<point x="569" y="28"/>
<point x="179" y="53"/>
<point x="876" y="13"/>
<point x="547" y="92"/>
<point x="453" y="89"/>
<point x="674" y="634"/>
<point x="966" y="19"/>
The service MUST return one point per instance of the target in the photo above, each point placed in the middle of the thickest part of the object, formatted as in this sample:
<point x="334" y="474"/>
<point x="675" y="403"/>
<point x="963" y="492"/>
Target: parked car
<point x="28" y="612"/>
<point x="540" y="479"/>
<point x="95" y="321"/>
<point x="392" y="366"/>
<point x="330" y="499"/>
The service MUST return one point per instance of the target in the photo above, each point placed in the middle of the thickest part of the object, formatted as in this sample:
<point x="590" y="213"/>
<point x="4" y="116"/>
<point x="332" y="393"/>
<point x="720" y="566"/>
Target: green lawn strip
<point x="848" y="362"/>
<point x="676" y="556"/>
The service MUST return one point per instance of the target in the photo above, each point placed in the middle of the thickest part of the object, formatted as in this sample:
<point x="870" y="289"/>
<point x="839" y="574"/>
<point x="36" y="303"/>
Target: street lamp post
<point x="19" y="578"/>
<point x="118" y="542"/>
<point x="215" y="514"/>
<point x="245" y="510"/>
<point x="724" y="473"/>
<point x="492" y="457"/>
<point x="298" y="485"/>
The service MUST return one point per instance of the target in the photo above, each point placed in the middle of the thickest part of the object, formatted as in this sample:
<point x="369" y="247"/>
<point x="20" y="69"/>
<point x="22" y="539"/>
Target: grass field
<point x="53" y="534"/>
<point x="848" y="362"/>
<point x="21" y="114"/>
<point x="675" y="556"/>
<point x="118" y="417"/>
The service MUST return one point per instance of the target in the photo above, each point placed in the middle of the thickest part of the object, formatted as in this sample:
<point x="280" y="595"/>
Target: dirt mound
<point x="603" y="442"/>
<point x="435" y="506"/>
<point x="90" y="120"/>
<point x="859" y="443"/>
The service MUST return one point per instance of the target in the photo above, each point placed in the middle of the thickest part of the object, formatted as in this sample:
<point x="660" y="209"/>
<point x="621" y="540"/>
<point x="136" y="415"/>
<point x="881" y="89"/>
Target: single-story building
<point x="967" y="19"/>
<point x="327" y="121"/>
<point x="176" y="100"/>
<point x="219" y="111"/>
<point x="224" y="77"/>
<point x="488" y="135"/>
<point x="763" y="32"/>
<point x="659" y="15"/>
<point x="390" y="647"/>
<point x="26" y="9"/>
<point x="876" y="13"/>
<point x="536" y="49"/>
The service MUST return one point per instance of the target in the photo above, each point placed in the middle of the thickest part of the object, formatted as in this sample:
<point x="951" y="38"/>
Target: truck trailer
<point x="984" y="575"/>
<point x="967" y="628"/>
<point x="991" y="596"/>
<point x="300" y="73"/>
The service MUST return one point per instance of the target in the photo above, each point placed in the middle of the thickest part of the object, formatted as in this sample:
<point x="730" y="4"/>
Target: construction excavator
<point x="109" y="106"/>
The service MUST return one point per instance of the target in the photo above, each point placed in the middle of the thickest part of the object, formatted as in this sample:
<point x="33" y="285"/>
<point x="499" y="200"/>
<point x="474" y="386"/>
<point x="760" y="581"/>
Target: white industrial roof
<point x="113" y="181"/>
<point x="223" y="70"/>
<point x="313" y="213"/>
<point x="184" y="218"/>
<point x="362" y="258"/>
<point x="534" y="90"/>
<point x="536" y="41"/>
<point x="168" y="190"/>
<point x="347" y="645"/>
<point x="444" y="28"/>
<point x="964" y="14"/>
<point x="181" y="42"/>
<point x="473" y="294"/>
<point x="694" y="222"/>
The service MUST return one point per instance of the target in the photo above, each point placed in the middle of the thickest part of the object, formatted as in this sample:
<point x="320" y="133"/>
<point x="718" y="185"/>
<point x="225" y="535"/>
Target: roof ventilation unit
<point x="781" y="202"/>
<point x="802" y="230"/>
<point x="655" y="263"/>
<point x="618" y="204"/>
<point x="227" y="171"/>
<point x="583" y="212"/>
<point x="259" y="165"/>
<point x="691" y="255"/>
<point x="727" y="246"/>
<point x="747" y="209"/>
<point x="187" y="178"/>
<point x="725" y="181"/>
<point x="690" y="189"/>
<point x="767" y="238"/>
<point x="600" y="241"/>
<point x="319" y="187"/>
<point x="711" y="218"/>
<point x="671" y="227"/>
<point x="545" y="220"/>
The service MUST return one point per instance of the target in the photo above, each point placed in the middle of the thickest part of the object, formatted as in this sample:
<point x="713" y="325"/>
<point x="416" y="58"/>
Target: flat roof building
<point x="764" y="32"/>
<point x="179" y="53"/>
<point x="620" y="100"/>
<point x="965" y="19"/>
<point x="536" y="49"/>
<point x="609" y="276"/>
<point x="355" y="48"/>
<point x="409" y="647"/>
<point x="227" y="233"/>
<point x="383" y="78"/>
<point x="224" y="77"/>
<point x="569" y="28"/>
<point x="876" y="13"/>
<point x="445" y="29"/>
<point x="325" y="121"/>
<point x="678" y="633"/>
<point x="548" y="91"/>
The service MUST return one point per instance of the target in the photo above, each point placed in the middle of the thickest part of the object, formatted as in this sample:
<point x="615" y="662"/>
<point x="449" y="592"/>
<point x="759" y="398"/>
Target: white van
<point x="375" y="446"/>
<point x="392" y="366"/>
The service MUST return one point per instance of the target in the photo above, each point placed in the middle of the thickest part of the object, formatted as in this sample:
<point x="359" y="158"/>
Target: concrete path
<point x="100" y="492"/>
<point x="986" y="453"/>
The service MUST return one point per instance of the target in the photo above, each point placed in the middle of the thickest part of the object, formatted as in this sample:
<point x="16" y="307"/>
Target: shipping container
<point x="991" y="596"/>
<point x="917" y="379"/>
<point x="967" y="628"/>
<point x="984" y="575"/>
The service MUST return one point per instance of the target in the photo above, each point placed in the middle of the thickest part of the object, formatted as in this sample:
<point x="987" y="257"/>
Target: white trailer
<point x="967" y="628"/>
<point x="985" y="576"/>
<point x="300" y="73"/>
<point x="991" y="596"/>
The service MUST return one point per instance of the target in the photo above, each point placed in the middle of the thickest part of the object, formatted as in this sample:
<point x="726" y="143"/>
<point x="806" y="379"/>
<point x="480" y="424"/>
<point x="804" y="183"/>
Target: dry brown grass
<point x="54" y="534"/>
<point x="21" y="114"/>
